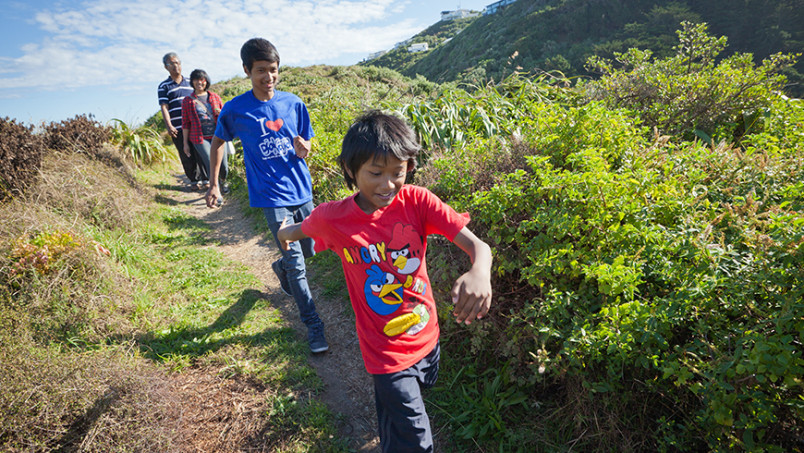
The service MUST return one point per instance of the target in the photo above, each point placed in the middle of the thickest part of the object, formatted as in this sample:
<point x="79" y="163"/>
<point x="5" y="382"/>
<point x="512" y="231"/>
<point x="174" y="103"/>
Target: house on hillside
<point x="418" y="47"/>
<point x="458" y="14"/>
<point x="374" y="55"/>
<point x="496" y="6"/>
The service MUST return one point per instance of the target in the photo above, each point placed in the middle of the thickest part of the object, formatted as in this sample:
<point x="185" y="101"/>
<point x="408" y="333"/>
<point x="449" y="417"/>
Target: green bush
<point x="692" y="91"/>
<point x="632" y="267"/>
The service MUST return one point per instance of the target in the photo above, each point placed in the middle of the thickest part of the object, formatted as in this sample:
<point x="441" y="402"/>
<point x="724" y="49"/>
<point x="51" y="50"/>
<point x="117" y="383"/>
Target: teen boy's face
<point x="264" y="76"/>
<point x="378" y="182"/>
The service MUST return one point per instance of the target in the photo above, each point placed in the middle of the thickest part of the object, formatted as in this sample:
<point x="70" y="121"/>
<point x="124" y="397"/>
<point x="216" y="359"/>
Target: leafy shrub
<point x="40" y="253"/>
<point x="631" y="267"/>
<point x="691" y="90"/>
<point x="141" y="145"/>
<point x="80" y="134"/>
<point x="20" y="157"/>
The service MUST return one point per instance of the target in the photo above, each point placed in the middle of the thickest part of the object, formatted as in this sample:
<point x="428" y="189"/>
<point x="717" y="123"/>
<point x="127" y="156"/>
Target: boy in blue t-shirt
<point x="274" y="128"/>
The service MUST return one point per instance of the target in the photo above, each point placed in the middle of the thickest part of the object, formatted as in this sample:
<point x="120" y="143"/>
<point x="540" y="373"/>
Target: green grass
<point x="163" y="301"/>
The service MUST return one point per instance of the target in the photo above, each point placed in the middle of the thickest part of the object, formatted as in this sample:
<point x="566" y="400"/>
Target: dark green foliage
<point x="20" y="157"/>
<point x="691" y="90"/>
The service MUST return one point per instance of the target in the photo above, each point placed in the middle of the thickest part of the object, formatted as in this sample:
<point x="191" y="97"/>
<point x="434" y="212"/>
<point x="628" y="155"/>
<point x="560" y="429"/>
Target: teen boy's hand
<point x="213" y="196"/>
<point x="471" y="293"/>
<point x="301" y="146"/>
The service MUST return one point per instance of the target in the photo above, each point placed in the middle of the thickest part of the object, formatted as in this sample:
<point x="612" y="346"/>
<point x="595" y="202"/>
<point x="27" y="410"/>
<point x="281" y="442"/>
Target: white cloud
<point x="121" y="43"/>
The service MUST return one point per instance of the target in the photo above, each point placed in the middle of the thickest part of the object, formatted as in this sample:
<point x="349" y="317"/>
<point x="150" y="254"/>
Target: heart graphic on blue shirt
<point x="274" y="125"/>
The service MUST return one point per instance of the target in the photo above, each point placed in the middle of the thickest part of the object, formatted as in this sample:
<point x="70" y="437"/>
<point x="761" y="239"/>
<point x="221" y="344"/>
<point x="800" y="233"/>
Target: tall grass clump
<point x="142" y="145"/>
<point x="648" y="288"/>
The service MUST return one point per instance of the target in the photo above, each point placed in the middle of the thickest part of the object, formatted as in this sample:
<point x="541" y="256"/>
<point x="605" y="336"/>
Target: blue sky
<point x="65" y="58"/>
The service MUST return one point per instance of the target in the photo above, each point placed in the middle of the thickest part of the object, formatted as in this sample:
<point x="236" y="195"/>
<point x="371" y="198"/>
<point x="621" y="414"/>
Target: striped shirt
<point x="172" y="93"/>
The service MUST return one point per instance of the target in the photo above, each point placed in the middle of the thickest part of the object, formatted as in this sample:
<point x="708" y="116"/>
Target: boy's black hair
<point x="375" y="136"/>
<point x="258" y="49"/>
<point x="199" y="74"/>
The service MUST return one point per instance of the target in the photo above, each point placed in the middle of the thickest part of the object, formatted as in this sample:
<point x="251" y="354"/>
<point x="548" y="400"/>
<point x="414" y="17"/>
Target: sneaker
<point x="282" y="276"/>
<point x="318" y="343"/>
<point x="225" y="188"/>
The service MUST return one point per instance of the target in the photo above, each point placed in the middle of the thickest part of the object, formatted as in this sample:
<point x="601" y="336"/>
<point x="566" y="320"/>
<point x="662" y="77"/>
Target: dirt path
<point x="347" y="386"/>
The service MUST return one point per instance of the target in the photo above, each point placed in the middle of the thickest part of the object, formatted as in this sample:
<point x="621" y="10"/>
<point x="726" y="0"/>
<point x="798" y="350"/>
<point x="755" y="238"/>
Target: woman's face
<point x="199" y="85"/>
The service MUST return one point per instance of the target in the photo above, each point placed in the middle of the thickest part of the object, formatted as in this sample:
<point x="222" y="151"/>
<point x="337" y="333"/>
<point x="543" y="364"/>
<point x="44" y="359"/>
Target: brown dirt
<point x="224" y="414"/>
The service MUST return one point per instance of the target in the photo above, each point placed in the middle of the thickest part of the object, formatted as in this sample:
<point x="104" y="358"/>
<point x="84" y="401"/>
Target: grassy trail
<point x="346" y="387"/>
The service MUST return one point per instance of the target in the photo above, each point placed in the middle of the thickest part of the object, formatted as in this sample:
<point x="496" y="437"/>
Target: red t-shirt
<point x="383" y="258"/>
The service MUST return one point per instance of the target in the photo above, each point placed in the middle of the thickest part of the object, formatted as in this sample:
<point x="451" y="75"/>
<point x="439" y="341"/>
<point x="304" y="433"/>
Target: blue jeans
<point x="293" y="260"/>
<point x="401" y="417"/>
<point x="202" y="150"/>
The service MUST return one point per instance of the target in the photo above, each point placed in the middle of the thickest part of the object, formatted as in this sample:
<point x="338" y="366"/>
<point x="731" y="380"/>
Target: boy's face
<point x="264" y="76"/>
<point x="378" y="182"/>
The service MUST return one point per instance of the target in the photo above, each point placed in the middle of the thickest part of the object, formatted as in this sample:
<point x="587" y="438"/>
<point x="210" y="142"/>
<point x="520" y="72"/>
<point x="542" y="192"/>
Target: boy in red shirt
<point x="380" y="234"/>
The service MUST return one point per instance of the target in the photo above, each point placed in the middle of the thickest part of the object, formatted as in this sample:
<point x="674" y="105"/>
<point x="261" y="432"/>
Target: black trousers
<point x="193" y="168"/>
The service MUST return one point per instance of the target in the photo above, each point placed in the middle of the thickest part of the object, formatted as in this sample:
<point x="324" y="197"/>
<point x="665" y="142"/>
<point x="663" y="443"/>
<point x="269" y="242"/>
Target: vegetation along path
<point x="347" y="386"/>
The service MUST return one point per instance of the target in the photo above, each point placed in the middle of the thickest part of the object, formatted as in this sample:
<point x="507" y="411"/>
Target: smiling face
<point x="199" y="85"/>
<point x="264" y="76"/>
<point x="378" y="182"/>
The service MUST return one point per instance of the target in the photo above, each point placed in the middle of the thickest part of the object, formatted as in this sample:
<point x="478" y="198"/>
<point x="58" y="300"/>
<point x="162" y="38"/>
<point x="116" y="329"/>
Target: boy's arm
<point x="471" y="293"/>
<point x="215" y="158"/>
<point x="289" y="233"/>
<point x="301" y="146"/>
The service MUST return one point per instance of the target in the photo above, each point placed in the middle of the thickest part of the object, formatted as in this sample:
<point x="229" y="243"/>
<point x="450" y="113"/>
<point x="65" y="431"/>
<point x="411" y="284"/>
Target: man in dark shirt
<point x="171" y="92"/>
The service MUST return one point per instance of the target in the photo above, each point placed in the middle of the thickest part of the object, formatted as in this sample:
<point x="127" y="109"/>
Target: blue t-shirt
<point x="276" y="176"/>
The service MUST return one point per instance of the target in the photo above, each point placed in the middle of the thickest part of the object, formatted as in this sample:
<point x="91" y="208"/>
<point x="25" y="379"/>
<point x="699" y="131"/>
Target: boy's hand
<point x="213" y="196"/>
<point x="301" y="146"/>
<point x="282" y="234"/>
<point x="471" y="295"/>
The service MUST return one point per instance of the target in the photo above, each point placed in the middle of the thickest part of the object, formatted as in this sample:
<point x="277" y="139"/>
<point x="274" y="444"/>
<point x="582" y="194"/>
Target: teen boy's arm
<point x="471" y="293"/>
<point x="216" y="151"/>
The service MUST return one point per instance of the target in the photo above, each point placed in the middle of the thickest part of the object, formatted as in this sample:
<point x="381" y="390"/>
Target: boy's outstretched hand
<point x="289" y="233"/>
<point x="471" y="293"/>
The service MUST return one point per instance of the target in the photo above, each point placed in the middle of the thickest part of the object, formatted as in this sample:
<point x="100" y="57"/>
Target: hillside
<point x="536" y="35"/>
<point x="648" y="238"/>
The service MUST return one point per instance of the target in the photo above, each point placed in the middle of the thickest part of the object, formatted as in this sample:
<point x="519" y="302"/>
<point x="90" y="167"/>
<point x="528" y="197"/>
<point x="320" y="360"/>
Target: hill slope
<point x="534" y="35"/>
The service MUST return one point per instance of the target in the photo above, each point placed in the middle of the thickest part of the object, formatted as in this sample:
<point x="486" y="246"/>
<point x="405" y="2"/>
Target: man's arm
<point x="471" y="293"/>
<point x="166" y="116"/>
<point x="216" y="151"/>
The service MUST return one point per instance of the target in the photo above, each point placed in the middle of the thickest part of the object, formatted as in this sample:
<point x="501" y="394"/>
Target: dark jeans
<point x="401" y="417"/>
<point x="293" y="260"/>
<point x="192" y="169"/>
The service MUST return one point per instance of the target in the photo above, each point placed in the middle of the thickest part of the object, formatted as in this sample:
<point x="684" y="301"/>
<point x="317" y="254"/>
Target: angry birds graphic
<point x="383" y="291"/>
<point x="404" y="248"/>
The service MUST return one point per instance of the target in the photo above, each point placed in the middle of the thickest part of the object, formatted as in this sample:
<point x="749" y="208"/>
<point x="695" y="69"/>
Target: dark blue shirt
<point x="172" y="93"/>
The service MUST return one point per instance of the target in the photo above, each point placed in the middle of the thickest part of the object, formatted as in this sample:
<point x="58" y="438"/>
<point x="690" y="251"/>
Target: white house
<point x="496" y="6"/>
<point x="374" y="55"/>
<point x="418" y="47"/>
<point x="458" y="14"/>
